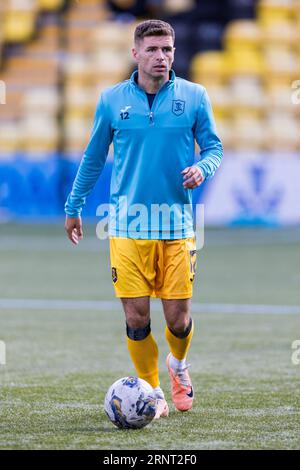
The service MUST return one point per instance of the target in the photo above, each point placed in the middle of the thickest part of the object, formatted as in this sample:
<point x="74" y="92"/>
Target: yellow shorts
<point x="156" y="268"/>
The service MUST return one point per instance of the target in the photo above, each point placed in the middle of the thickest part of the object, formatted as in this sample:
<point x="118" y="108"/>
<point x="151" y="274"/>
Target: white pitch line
<point x="104" y="305"/>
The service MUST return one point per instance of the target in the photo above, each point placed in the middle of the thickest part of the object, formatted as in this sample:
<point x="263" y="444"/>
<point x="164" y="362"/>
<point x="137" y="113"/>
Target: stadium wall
<point x="248" y="189"/>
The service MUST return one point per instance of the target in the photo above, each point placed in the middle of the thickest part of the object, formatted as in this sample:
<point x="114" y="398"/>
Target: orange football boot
<point x="181" y="387"/>
<point x="162" y="408"/>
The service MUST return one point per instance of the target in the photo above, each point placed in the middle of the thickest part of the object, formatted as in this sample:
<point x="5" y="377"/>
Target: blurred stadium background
<point x="57" y="56"/>
<point x="58" y="318"/>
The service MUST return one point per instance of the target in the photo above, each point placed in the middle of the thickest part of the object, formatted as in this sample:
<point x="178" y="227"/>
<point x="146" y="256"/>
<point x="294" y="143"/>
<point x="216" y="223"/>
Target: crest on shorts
<point x="114" y="274"/>
<point x="178" y="107"/>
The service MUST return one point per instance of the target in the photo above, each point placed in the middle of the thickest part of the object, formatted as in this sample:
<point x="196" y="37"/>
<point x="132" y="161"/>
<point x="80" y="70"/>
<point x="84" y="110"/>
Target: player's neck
<point x="150" y="84"/>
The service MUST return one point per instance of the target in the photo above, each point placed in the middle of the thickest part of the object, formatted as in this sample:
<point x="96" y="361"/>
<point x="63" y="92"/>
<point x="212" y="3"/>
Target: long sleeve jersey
<point x="151" y="148"/>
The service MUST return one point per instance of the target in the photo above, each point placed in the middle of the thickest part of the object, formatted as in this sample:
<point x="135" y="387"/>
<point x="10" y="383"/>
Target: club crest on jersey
<point x="114" y="275"/>
<point x="178" y="107"/>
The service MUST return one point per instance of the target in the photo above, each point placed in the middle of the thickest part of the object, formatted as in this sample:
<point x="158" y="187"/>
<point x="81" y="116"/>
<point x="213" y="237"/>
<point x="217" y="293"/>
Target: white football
<point x="130" y="403"/>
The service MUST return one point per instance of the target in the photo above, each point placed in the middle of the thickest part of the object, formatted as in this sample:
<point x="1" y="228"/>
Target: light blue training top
<point x="151" y="148"/>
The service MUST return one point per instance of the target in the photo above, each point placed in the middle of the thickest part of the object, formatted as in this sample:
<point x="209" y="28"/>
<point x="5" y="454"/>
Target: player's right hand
<point x="73" y="227"/>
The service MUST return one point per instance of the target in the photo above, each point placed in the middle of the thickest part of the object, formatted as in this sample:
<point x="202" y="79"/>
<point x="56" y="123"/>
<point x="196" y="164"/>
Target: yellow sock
<point x="144" y="355"/>
<point x="179" y="346"/>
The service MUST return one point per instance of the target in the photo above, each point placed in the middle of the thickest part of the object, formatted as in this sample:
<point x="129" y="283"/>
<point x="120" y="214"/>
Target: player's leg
<point x="140" y="341"/>
<point x="179" y="333"/>
<point x="178" y="260"/>
<point x="179" y="329"/>
<point x="133" y="273"/>
<point x="142" y="346"/>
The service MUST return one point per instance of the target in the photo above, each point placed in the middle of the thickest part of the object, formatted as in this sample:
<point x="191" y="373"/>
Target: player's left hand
<point x="193" y="177"/>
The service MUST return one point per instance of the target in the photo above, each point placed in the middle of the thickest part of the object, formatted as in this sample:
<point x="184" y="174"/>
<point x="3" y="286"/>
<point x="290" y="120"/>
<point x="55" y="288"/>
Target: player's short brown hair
<point x="153" y="28"/>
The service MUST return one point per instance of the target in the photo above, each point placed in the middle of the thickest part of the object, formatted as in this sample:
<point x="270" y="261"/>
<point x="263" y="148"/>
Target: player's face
<point x="155" y="55"/>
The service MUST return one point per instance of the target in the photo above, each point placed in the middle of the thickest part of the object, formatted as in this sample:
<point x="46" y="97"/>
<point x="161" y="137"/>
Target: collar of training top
<point x="134" y="77"/>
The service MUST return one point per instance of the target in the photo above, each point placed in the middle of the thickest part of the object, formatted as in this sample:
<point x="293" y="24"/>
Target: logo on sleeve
<point x="178" y="107"/>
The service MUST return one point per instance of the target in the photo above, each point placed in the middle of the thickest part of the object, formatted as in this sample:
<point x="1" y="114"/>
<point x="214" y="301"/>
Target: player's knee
<point x="138" y="333"/>
<point x="181" y="326"/>
<point x="137" y="319"/>
<point x="137" y="312"/>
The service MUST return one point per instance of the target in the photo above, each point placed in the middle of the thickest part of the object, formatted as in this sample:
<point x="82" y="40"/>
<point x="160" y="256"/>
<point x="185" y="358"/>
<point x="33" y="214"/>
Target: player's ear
<point x="173" y="55"/>
<point x="134" y="53"/>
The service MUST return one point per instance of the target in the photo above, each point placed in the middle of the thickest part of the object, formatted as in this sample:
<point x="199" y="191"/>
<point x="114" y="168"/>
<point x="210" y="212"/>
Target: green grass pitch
<point x="60" y="363"/>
